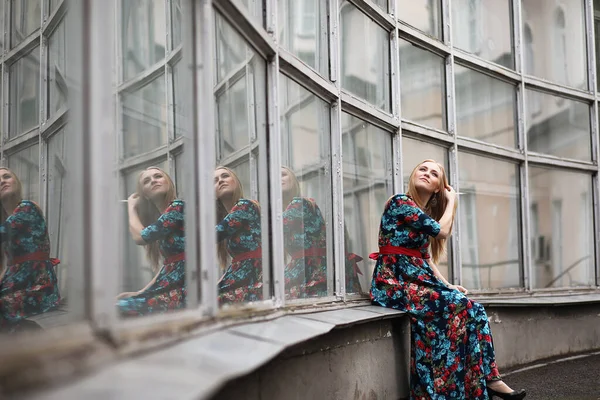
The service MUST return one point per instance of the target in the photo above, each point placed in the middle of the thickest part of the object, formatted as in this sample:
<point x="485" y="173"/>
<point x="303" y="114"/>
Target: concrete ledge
<point x="197" y="368"/>
<point x="537" y="299"/>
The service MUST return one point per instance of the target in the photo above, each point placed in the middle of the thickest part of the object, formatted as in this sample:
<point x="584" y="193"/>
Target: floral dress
<point x="242" y="281"/>
<point x="29" y="286"/>
<point x="305" y="237"/>
<point x="452" y="355"/>
<point x="168" y="290"/>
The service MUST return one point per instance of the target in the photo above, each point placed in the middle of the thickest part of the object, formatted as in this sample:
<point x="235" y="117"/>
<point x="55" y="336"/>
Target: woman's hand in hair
<point x="133" y="200"/>
<point x="450" y="193"/>
<point x="459" y="288"/>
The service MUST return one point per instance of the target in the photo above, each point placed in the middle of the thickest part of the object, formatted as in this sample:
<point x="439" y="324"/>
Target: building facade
<point x="350" y="95"/>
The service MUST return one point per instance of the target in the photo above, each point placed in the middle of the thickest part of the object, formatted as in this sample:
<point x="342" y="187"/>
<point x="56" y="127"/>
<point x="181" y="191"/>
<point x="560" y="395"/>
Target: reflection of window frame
<point x="560" y="63"/>
<point x="306" y="14"/>
<point x="557" y="239"/>
<point x="469" y="238"/>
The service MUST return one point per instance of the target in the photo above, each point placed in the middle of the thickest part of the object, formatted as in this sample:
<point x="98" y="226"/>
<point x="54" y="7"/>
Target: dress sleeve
<point x="293" y="216"/>
<point x="165" y="224"/>
<point x="404" y="210"/>
<point x="242" y="214"/>
<point x="15" y="222"/>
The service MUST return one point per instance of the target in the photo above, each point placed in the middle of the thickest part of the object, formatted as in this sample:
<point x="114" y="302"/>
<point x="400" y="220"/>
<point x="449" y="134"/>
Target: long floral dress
<point x="29" y="286"/>
<point x="452" y="353"/>
<point x="168" y="291"/>
<point x="242" y="281"/>
<point x="305" y="238"/>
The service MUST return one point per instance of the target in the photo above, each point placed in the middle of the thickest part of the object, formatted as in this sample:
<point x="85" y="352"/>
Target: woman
<point x="452" y="354"/>
<point x="28" y="285"/>
<point x="239" y="236"/>
<point x="156" y="222"/>
<point x="305" y="238"/>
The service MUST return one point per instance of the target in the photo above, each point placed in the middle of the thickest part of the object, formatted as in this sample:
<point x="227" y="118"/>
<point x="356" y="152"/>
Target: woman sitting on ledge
<point x="452" y="355"/>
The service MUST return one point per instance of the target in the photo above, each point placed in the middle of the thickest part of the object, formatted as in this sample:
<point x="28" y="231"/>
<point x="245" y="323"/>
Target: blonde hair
<point x="295" y="190"/>
<point x="222" y="212"/>
<point x="435" y="207"/>
<point x="4" y="214"/>
<point x="149" y="213"/>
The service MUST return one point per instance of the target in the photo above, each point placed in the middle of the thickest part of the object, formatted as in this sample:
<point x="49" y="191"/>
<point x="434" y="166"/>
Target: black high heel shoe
<point x="514" y="395"/>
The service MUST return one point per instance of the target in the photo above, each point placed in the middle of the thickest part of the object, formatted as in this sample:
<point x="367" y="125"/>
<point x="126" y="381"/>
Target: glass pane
<point x="25" y="19"/>
<point x="414" y="152"/>
<point x="25" y="164"/>
<point x="365" y="56"/>
<point x="383" y="4"/>
<point x="58" y="211"/>
<point x="558" y="126"/>
<point x="57" y="70"/>
<point x="562" y="245"/>
<point x="54" y="4"/>
<point x="256" y="9"/>
<point x="180" y="111"/>
<point x="425" y="15"/>
<point x="176" y="22"/>
<point x="303" y="31"/>
<point x="144" y="35"/>
<point x="145" y="118"/>
<point x="597" y="38"/>
<point x="555" y="34"/>
<point x="484" y="28"/>
<point x="422" y="86"/>
<point x="367" y="172"/>
<point x="491" y="258"/>
<point x="240" y="96"/>
<point x="485" y="107"/>
<point x="306" y="192"/>
<point x="24" y="92"/>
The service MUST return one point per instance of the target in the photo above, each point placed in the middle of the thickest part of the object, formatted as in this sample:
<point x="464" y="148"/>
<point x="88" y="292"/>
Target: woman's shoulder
<point x="402" y="198"/>
<point x="247" y="203"/>
<point x="28" y="204"/>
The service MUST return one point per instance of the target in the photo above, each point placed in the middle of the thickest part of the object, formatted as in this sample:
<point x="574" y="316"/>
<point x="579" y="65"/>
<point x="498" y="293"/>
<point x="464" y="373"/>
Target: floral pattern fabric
<point x="30" y="287"/>
<point x="168" y="291"/>
<point x="242" y="281"/>
<point x="305" y="238"/>
<point x="452" y="353"/>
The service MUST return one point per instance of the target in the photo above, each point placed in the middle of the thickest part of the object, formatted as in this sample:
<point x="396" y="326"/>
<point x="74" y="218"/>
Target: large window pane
<point x="26" y="166"/>
<point x="484" y="28"/>
<point x="365" y="56"/>
<point x="144" y="35"/>
<point x="57" y="70"/>
<point x="485" y="107"/>
<point x="24" y="92"/>
<point x="25" y="19"/>
<point x="597" y="38"/>
<point x="562" y="233"/>
<point x="306" y="192"/>
<point x="555" y="34"/>
<point x="424" y="15"/>
<point x="558" y="126"/>
<point x="303" y="25"/>
<point x="413" y="153"/>
<point x="144" y="118"/>
<point x="176" y="23"/>
<point x="489" y="222"/>
<point x="367" y="172"/>
<point x="422" y="86"/>
<point x="240" y="96"/>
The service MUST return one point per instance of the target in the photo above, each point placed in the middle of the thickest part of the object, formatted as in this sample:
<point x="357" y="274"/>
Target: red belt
<point x="248" y="255"/>
<point x="310" y="252"/>
<point x="37" y="256"/>
<point x="175" y="258"/>
<point x="398" y="250"/>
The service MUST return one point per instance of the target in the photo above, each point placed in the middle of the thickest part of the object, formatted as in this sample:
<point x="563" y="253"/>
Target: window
<point x="425" y="15"/>
<point x="560" y="47"/>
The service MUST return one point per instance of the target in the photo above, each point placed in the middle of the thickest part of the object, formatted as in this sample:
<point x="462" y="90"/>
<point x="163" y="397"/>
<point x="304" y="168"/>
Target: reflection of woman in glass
<point x="156" y="222"/>
<point x="28" y="285"/>
<point x="452" y="353"/>
<point x="239" y="236"/>
<point x="305" y="238"/>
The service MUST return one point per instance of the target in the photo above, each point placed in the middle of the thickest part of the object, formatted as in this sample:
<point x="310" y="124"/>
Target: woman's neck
<point x="422" y="198"/>
<point x="9" y="204"/>
<point x="162" y="204"/>
<point x="227" y="203"/>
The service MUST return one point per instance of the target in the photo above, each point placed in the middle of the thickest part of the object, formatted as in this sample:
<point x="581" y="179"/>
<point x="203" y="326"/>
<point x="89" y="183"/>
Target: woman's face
<point x="427" y="177"/>
<point x="225" y="183"/>
<point x="8" y="184"/>
<point x="154" y="183"/>
<point x="286" y="180"/>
